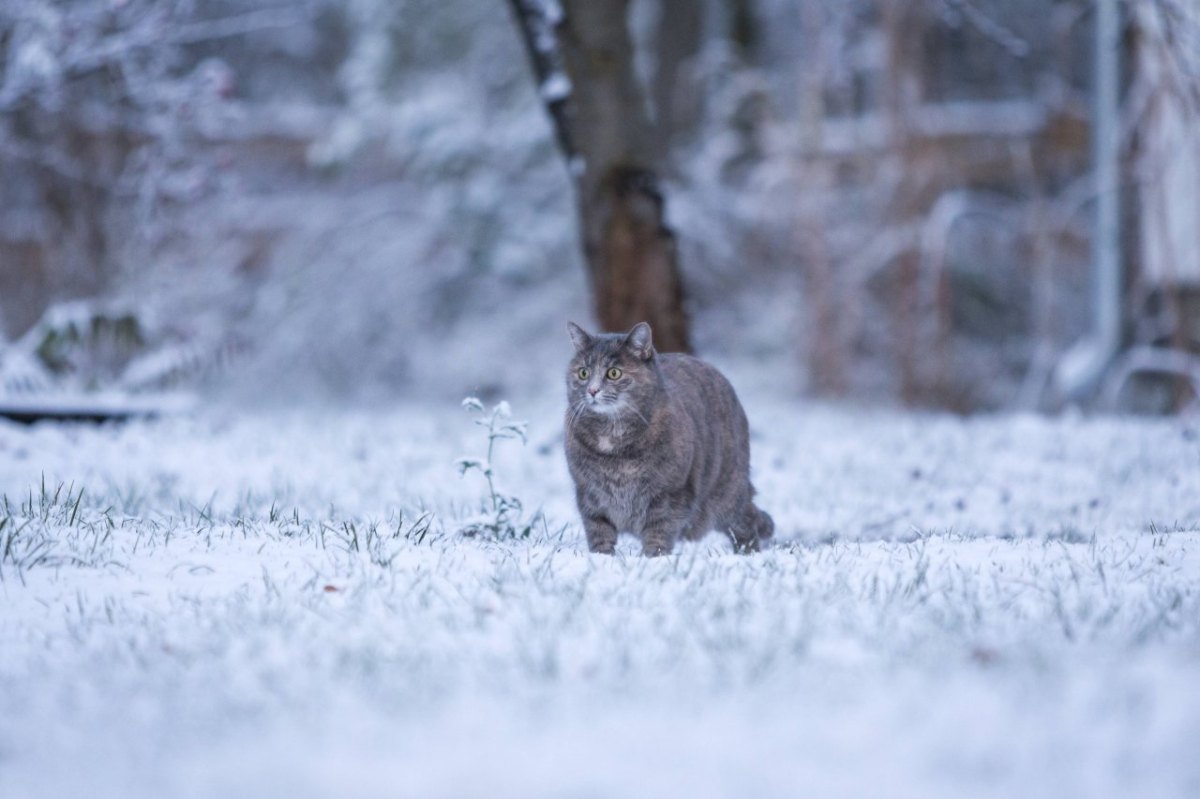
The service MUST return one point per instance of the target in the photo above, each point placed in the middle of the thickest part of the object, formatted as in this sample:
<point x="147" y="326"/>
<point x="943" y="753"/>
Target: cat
<point x="657" y="445"/>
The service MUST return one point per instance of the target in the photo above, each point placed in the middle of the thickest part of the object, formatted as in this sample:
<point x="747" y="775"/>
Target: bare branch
<point x="89" y="55"/>
<point x="990" y="27"/>
<point x="190" y="33"/>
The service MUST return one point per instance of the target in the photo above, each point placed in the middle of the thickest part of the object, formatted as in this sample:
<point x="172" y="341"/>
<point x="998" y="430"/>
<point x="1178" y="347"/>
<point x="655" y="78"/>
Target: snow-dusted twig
<point x="89" y="53"/>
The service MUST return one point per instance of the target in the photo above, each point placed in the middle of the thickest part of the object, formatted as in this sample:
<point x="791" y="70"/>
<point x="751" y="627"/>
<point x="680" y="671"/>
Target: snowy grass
<point x="283" y="605"/>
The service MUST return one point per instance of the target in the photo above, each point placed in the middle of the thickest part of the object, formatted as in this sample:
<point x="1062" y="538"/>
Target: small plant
<point x="48" y="530"/>
<point x="501" y="515"/>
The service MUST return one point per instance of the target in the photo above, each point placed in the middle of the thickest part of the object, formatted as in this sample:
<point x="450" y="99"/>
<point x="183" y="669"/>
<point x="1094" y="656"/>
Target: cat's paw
<point x="748" y="547"/>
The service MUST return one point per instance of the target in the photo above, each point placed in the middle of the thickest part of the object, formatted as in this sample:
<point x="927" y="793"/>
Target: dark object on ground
<point x="92" y="408"/>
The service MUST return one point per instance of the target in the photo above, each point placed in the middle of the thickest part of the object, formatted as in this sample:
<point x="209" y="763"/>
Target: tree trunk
<point x="604" y="129"/>
<point x="744" y="30"/>
<point x="677" y="100"/>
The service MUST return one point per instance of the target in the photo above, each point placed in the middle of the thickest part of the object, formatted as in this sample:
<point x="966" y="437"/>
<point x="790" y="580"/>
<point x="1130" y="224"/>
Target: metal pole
<point x="1082" y="367"/>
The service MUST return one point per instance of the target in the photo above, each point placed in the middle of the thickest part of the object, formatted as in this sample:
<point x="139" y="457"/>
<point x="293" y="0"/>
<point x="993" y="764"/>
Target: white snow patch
<point x="556" y="87"/>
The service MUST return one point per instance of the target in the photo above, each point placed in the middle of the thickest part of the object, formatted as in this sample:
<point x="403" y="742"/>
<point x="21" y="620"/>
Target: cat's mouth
<point x="603" y="404"/>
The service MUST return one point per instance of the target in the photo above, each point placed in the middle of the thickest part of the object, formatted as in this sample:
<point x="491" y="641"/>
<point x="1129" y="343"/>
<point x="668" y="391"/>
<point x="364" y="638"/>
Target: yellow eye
<point x="614" y="373"/>
<point x="583" y="373"/>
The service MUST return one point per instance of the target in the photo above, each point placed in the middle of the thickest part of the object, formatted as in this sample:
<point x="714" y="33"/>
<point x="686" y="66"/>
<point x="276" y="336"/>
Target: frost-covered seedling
<point x="501" y="515"/>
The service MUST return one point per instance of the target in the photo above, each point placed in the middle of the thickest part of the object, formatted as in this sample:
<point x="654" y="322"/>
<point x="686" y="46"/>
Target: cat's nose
<point x="593" y="390"/>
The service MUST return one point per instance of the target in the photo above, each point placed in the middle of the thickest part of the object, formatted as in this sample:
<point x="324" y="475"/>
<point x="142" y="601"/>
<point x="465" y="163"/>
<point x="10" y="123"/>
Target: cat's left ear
<point x="640" y="342"/>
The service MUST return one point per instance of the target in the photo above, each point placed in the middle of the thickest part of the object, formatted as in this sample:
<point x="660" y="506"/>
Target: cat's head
<point x="612" y="373"/>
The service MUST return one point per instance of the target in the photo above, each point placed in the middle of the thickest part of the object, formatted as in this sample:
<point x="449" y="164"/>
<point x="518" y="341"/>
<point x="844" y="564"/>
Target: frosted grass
<point x="280" y="605"/>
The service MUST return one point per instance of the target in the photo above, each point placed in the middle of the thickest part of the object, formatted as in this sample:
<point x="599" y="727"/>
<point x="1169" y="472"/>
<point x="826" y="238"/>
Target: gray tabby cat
<point x="658" y="446"/>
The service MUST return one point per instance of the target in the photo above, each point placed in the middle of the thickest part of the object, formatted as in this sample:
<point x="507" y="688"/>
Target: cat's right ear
<point x="579" y="337"/>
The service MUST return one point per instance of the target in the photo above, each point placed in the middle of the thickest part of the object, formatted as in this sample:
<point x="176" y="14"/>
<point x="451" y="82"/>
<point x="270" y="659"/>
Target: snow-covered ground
<point x="279" y="605"/>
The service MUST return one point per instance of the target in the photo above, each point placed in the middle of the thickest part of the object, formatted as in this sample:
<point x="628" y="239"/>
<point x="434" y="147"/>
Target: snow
<point x="555" y="88"/>
<point x="110" y="403"/>
<point x="277" y="604"/>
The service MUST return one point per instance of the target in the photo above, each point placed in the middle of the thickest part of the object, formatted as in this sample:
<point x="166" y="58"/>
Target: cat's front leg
<point x="666" y="520"/>
<point x="601" y="534"/>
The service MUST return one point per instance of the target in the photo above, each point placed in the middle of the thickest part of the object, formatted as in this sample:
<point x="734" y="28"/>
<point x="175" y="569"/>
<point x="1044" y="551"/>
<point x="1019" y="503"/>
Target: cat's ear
<point x="640" y="342"/>
<point x="579" y="337"/>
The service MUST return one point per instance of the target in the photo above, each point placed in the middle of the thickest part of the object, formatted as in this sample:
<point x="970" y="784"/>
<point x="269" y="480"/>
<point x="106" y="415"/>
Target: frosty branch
<point x="538" y="20"/>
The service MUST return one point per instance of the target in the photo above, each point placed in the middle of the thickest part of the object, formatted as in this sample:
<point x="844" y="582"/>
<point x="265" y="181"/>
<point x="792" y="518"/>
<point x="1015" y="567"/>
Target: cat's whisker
<point x="576" y="411"/>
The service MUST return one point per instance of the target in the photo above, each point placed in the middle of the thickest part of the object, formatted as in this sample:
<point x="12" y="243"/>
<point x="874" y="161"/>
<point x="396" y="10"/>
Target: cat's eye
<point x="582" y="373"/>
<point x="614" y="373"/>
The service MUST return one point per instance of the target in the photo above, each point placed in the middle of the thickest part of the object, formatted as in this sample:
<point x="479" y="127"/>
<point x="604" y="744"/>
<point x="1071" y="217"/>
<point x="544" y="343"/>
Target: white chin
<point x="605" y="408"/>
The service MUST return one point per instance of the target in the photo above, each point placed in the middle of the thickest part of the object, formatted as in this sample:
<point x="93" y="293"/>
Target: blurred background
<point x="954" y="204"/>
